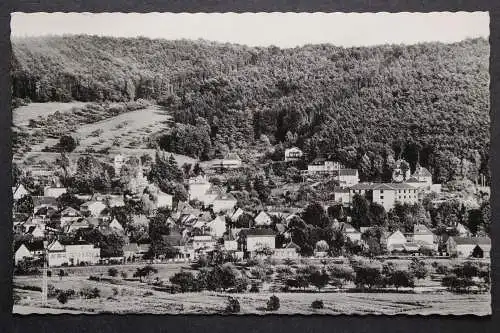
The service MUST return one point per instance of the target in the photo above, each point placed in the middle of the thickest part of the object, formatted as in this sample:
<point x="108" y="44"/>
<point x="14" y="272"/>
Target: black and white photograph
<point x="251" y="163"/>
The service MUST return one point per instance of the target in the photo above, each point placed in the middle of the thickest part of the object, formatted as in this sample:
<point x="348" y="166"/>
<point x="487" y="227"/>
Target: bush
<point x="62" y="298"/>
<point x="317" y="304"/>
<point x="115" y="291"/>
<point x="88" y="292"/>
<point x="233" y="305"/>
<point x="123" y="274"/>
<point x="442" y="269"/>
<point x="147" y="294"/>
<point x="273" y="303"/>
<point x="185" y="280"/>
<point x="254" y="288"/>
<point x="49" y="273"/>
<point x="112" y="272"/>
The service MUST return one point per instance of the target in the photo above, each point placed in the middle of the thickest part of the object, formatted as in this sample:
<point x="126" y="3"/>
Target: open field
<point x="119" y="295"/>
<point x="22" y="115"/>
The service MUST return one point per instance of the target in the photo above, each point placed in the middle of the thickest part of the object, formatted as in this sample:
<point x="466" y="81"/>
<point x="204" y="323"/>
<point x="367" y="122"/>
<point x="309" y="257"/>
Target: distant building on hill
<point x="230" y="162"/>
<point x="293" y="154"/>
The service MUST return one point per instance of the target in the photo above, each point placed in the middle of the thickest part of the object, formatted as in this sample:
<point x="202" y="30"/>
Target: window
<point x="381" y="197"/>
<point x="404" y="197"/>
<point x="381" y="191"/>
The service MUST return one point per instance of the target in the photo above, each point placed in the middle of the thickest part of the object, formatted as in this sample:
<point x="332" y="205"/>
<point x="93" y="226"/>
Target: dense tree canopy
<point x="367" y="106"/>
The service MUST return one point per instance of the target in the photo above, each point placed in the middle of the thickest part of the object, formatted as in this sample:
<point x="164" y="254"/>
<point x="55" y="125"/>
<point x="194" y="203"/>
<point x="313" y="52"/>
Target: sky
<point x="264" y="29"/>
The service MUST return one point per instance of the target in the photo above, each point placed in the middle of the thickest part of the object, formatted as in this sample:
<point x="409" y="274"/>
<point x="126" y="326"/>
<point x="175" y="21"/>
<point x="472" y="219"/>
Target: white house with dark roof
<point x="464" y="247"/>
<point x="92" y="208"/>
<point x="255" y="239"/>
<point x="289" y="251"/>
<point x="72" y="253"/>
<point x="395" y="241"/>
<point x="54" y="192"/>
<point x="422" y="174"/>
<point x="293" y="154"/>
<point x="216" y="227"/>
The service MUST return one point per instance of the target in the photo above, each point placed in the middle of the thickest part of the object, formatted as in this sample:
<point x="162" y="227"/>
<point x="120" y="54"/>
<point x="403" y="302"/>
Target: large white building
<point x="72" y="254"/>
<point x="386" y="194"/>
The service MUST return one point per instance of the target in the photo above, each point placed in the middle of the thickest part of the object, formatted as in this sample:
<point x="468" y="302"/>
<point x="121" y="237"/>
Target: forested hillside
<point x="366" y="106"/>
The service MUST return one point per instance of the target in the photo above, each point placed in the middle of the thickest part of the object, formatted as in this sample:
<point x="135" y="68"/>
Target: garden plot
<point x="22" y="115"/>
<point x="128" y="130"/>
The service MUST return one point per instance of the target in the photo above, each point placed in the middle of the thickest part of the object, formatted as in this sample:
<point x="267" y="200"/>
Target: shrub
<point x="400" y="278"/>
<point x="147" y="293"/>
<point x="115" y="291"/>
<point x="62" y="298"/>
<point x="367" y="276"/>
<point x="418" y="269"/>
<point x="273" y="303"/>
<point x="317" y="304"/>
<point x="112" y="272"/>
<point x="241" y="284"/>
<point x="319" y="279"/>
<point x="88" y="292"/>
<point x="233" y="305"/>
<point x="123" y="274"/>
<point x="442" y="269"/>
<point x="254" y="288"/>
<point x="49" y="273"/>
<point x="185" y="280"/>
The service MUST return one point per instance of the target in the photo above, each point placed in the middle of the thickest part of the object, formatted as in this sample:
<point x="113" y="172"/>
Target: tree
<point x="68" y="200"/>
<point x="319" y="279"/>
<point x="185" y="280"/>
<point x="315" y="215"/>
<point x="112" y="272"/>
<point x="359" y="211"/>
<point x="233" y="305"/>
<point x="418" y="268"/>
<point x="367" y="276"/>
<point x="62" y="297"/>
<point x="273" y="303"/>
<point x="145" y="271"/>
<point x="400" y="278"/>
<point x="67" y="143"/>
<point x="24" y="205"/>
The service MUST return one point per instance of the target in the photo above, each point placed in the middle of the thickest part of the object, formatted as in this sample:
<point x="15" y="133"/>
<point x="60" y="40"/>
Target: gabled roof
<point x="422" y="172"/>
<point x="318" y="161"/>
<point x="292" y="245"/>
<point x="70" y="210"/>
<point x="382" y="186"/>
<point x="472" y="240"/>
<point x="257" y="232"/>
<point x="132" y="247"/>
<point x="348" y="172"/>
<point x="42" y="200"/>
<point x="226" y="196"/>
<point x="421" y="229"/>
<point x="232" y="156"/>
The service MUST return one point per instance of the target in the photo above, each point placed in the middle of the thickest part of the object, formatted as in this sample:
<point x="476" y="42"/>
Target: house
<point x="118" y="162"/>
<point x="92" y="208"/>
<point x="290" y="251"/>
<point x="164" y="200"/>
<point x="216" y="227"/>
<point x="54" y="192"/>
<point x="262" y="219"/>
<point x="130" y="251"/>
<point x="115" y="225"/>
<point x="198" y="187"/>
<point x="323" y="166"/>
<point x="76" y="225"/>
<point x="203" y="243"/>
<point x="230" y="242"/>
<point x="73" y="253"/>
<point x="69" y="215"/>
<point x="462" y="230"/>
<point x="230" y="162"/>
<point x="423" y="175"/>
<point x="224" y="202"/>
<point x="411" y="247"/>
<point x="386" y="194"/>
<point x="465" y="247"/>
<point x="395" y="241"/>
<point x="350" y="232"/>
<point x="114" y="200"/>
<point x="19" y="191"/>
<point x="346" y="177"/>
<point x="43" y="201"/>
<point x="255" y="239"/>
<point x="28" y="250"/>
<point x="293" y="154"/>
<point x="423" y="236"/>
<point x="37" y="231"/>
<point x="342" y="195"/>
<point x="236" y="214"/>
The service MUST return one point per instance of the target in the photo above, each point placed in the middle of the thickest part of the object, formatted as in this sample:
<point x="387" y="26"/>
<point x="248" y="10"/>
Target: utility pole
<point x="44" y="278"/>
